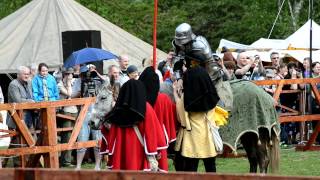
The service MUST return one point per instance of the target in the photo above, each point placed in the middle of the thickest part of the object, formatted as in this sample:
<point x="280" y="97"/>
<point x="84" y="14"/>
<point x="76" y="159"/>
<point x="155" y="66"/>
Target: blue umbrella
<point x="88" y="55"/>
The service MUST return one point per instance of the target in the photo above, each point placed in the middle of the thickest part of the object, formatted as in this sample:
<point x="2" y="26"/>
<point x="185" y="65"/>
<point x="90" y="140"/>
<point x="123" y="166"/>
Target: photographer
<point x="90" y="85"/>
<point x="68" y="89"/>
<point x="291" y="100"/>
<point x="249" y="68"/>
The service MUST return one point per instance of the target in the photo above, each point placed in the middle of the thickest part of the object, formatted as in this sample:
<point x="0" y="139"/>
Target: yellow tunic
<point x="194" y="138"/>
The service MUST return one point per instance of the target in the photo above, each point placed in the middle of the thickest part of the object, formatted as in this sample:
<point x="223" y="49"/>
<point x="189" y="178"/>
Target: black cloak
<point x="151" y="82"/>
<point x="130" y="107"/>
<point x="199" y="92"/>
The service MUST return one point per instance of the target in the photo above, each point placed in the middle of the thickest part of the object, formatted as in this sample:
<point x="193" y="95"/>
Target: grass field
<point x="292" y="163"/>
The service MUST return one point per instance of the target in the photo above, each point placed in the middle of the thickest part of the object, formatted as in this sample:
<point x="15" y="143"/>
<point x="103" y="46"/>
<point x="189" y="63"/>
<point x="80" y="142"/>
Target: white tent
<point x="32" y="34"/>
<point x="264" y="43"/>
<point x="301" y="38"/>
<point x="231" y="45"/>
<point x="299" y="55"/>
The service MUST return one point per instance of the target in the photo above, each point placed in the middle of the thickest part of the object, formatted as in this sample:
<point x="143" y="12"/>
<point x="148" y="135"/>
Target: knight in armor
<point x="239" y="97"/>
<point x="192" y="50"/>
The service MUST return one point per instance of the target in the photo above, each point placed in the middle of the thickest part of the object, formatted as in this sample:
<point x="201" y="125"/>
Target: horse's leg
<point x="249" y="142"/>
<point x="274" y="153"/>
<point x="262" y="153"/>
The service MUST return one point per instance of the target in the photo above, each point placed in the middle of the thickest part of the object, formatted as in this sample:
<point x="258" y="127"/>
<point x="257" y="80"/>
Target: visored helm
<point x="183" y="34"/>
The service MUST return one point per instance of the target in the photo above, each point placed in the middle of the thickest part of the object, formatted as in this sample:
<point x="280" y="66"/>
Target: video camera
<point x="88" y="87"/>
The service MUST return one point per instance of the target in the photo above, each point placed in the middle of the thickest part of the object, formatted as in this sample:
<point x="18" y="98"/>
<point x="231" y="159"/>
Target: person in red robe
<point x="135" y="136"/>
<point x="164" y="109"/>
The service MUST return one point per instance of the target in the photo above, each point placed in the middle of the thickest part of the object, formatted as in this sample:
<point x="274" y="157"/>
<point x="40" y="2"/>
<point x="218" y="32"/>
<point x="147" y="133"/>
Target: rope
<point x="275" y="21"/>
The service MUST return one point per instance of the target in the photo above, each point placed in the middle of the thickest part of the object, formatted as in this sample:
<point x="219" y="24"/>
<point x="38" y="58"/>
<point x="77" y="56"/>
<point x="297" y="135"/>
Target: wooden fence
<point x="48" y="146"/>
<point x="37" y="174"/>
<point x="46" y="143"/>
<point x="297" y="115"/>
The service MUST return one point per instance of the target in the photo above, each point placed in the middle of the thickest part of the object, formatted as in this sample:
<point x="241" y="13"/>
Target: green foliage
<point x="242" y="21"/>
<point x="9" y="6"/>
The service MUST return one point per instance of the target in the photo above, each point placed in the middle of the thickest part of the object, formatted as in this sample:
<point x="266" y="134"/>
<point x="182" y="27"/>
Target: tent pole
<point x="310" y="49"/>
<point x="155" y="13"/>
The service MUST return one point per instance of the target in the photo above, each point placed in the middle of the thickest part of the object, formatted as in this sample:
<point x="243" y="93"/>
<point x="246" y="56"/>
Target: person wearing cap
<point x="68" y="90"/>
<point x="93" y="69"/>
<point x="133" y="72"/>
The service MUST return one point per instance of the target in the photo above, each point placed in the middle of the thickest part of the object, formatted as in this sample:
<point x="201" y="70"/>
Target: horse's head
<point x="103" y="105"/>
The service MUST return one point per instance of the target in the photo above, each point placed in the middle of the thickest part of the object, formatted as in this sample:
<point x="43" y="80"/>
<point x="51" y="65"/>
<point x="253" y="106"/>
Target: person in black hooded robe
<point x="195" y="107"/>
<point x="164" y="108"/>
<point x="131" y="113"/>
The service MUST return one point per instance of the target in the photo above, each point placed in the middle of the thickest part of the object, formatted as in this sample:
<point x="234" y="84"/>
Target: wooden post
<point x="51" y="159"/>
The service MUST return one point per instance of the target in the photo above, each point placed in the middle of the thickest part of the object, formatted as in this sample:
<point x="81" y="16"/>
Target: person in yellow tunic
<point x="195" y="107"/>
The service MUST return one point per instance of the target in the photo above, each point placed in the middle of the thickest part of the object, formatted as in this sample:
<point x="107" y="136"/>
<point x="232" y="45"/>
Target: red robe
<point x="165" y="111"/>
<point x="125" y="150"/>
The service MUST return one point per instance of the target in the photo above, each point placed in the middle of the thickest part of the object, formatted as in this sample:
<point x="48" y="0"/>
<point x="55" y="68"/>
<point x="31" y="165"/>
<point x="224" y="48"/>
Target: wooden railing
<point x="297" y="115"/>
<point x="35" y="174"/>
<point x="46" y="143"/>
<point x="48" y="146"/>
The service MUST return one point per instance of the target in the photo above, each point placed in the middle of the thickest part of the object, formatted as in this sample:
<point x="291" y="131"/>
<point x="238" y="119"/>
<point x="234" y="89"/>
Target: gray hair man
<point x="20" y="91"/>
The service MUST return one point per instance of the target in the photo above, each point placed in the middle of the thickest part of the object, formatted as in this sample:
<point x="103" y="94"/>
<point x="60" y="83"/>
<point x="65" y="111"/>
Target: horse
<point x="105" y="100"/>
<point x="262" y="151"/>
<point x="253" y="122"/>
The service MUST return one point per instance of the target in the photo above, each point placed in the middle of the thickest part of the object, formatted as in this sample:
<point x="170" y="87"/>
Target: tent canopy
<point x="301" y="38"/>
<point x="264" y="43"/>
<point x="32" y="34"/>
<point x="231" y="45"/>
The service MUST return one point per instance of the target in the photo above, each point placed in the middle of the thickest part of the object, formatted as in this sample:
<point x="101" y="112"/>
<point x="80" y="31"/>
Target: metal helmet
<point x="183" y="34"/>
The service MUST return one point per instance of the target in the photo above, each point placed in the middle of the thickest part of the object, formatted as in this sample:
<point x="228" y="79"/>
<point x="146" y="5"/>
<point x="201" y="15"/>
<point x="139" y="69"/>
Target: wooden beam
<point x="51" y="159"/>
<point x="47" y="104"/>
<point x="288" y="109"/>
<point x="79" y="123"/>
<point x="291" y="91"/>
<point x="301" y="118"/>
<point x="276" y="94"/>
<point x="313" y="137"/>
<point x="46" y="149"/>
<point x="316" y="92"/>
<point x="63" y="116"/>
<point x="23" y="173"/>
<point x="22" y="128"/>
<point x="288" y="81"/>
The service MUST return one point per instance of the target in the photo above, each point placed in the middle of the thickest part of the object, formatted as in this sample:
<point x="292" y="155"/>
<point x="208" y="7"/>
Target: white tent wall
<point x="230" y="45"/>
<point x="301" y="38"/>
<point x="264" y="43"/>
<point x="32" y="34"/>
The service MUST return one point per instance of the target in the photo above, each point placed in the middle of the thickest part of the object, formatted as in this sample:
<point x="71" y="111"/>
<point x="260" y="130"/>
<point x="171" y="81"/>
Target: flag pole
<point x="155" y="14"/>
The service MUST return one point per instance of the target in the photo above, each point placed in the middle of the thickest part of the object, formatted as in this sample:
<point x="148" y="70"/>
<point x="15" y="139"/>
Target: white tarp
<point x="301" y="38"/>
<point x="264" y="43"/>
<point x="231" y="45"/>
<point x="299" y="55"/>
<point x="32" y="34"/>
